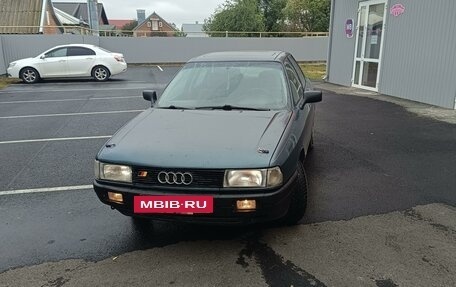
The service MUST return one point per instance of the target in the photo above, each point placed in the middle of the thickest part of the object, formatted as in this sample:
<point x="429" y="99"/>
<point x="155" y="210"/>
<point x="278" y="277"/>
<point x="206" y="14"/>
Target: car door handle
<point x="89" y="58"/>
<point x="61" y="61"/>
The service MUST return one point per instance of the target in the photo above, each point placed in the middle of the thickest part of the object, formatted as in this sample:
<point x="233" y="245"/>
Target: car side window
<point x="295" y="83"/>
<point x="299" y="71"/>
<point x="80" y="51"/>
<point x="60" y="52"/>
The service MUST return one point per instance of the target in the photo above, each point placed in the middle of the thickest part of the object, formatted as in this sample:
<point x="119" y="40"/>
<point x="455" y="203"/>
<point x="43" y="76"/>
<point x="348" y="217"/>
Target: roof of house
<point x="120" y="23"/>
<point x="80" y="11"/>
<point x="156" y="16"/>
<point x="67" y="19"/>
<point x="29" y="13"/>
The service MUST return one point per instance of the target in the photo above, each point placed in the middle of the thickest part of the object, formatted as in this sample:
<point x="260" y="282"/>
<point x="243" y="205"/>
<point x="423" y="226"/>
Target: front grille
<point x="208" y="178"/>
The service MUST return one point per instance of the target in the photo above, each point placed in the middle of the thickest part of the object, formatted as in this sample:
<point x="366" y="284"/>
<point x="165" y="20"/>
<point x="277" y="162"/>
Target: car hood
<point x="198" y="139"/>
<point x="24" y="61"/>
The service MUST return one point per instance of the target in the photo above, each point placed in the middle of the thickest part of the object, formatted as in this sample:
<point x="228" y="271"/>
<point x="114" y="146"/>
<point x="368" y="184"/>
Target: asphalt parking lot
<point x="381" y="202"/>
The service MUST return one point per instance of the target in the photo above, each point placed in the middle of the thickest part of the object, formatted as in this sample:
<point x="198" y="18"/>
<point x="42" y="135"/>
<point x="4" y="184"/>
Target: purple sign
<point x="349" y="28"/>
<point x="397" y="10"/>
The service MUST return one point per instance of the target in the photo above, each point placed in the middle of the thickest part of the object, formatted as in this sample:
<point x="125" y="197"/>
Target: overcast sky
<point x="173" y="11"/>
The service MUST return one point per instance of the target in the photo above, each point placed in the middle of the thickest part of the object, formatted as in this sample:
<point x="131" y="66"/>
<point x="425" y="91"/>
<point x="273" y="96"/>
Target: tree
<point x="237" y="16"/>
<point x="307" y="15"/>
<point x="269" y="16"/>
<point x="272" y="14"/>
<point x="320" y="11"/>
<point x="130" y="26"/>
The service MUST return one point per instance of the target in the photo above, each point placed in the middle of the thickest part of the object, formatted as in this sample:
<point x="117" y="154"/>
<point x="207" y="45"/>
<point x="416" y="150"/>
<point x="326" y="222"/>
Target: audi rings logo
<point x="177" y="178"/>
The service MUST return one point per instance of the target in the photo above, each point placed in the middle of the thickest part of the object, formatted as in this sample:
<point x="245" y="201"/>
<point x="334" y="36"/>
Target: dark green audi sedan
<point x="224" y="143"/>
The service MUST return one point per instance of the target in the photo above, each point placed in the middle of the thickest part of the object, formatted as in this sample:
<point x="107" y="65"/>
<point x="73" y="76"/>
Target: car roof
<point x="76" y="45"/>
<point x="267" y="56"/>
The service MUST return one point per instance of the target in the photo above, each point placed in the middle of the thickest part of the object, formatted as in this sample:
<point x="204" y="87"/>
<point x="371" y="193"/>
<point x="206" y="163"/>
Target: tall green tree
<point x="307" y="15"/>
<point x="272" y="14"/>
<point x="236" y="15"/>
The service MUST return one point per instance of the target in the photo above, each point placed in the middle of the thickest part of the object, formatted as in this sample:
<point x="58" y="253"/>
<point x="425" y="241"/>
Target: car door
<point x="302" y="127"/>
<point x="54" y="63"/>
<point x="80" y="61"/>
<point x="310" y="108"/>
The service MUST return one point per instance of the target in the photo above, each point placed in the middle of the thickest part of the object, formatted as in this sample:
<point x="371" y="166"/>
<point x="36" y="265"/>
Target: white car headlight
<point x="271" y="177"/>
<point x="113" y="172"/>
<point x="12" y="64"/>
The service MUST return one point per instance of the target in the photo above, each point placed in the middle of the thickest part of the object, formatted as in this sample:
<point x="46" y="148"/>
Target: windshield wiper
<point x="173" y="107"/>
<point x="229" y="108"/>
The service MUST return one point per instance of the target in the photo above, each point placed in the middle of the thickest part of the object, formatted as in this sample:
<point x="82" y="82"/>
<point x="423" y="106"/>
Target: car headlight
<point x="113" y="172"/>
<point x="12" y="64"/>
<point x="270" y="177"/>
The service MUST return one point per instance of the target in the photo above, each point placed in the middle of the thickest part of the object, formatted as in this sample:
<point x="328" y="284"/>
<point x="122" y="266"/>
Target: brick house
<point x="154" y="26"/>
<point x="119" y="24"/>
<point x="28" y="17"/>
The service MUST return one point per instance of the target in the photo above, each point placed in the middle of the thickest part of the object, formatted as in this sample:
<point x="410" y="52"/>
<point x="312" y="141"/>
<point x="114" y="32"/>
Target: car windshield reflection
<point x="227" y="86"/>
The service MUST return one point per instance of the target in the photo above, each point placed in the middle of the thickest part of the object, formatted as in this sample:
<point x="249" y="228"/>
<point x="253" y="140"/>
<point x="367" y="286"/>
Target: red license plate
<point x="174" y="204"/>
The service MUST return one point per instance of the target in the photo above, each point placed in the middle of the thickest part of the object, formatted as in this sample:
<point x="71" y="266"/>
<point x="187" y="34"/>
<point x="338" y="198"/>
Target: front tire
<point x="100" y="73"/>
<point x="298" y="203"/>
<point x="29" y="75"/>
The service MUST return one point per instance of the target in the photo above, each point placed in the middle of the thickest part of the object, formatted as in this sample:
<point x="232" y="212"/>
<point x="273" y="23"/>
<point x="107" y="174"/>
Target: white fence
<point x="160" y="49"/>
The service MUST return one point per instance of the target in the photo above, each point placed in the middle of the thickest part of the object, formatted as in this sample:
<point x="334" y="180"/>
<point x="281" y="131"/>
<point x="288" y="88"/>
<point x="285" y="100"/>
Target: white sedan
<point x="69" y="61"/>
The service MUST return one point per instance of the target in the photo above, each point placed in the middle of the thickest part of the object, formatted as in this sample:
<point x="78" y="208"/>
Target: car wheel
<point x="29" y="75"/>
<point x="101" y="73"/>
<point x="298" y="203"/>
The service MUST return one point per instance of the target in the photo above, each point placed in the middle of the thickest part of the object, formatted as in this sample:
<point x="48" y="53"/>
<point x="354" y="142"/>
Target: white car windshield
<point x="249" y="85"/>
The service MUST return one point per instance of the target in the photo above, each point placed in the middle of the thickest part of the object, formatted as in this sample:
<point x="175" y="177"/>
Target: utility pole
<point x="92" y="6"/>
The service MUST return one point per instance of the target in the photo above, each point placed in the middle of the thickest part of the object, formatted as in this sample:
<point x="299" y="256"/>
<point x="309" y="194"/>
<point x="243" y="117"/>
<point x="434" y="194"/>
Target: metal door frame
<point x="361" y="59"/>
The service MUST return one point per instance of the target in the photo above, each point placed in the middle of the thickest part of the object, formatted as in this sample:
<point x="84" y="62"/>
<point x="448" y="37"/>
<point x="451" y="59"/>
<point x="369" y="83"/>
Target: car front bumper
<point x="271" y="205"/>
<point x="12" y="72"/>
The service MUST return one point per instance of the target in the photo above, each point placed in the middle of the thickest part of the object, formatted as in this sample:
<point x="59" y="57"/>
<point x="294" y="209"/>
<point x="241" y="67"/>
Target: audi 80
<point x="69" y="61"/>
<point x="224" y="143"/>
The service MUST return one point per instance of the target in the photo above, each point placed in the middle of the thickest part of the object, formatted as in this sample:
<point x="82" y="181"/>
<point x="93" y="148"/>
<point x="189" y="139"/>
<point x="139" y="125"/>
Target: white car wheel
<point x="29" y="75"/>
<point x="100" y="73"/>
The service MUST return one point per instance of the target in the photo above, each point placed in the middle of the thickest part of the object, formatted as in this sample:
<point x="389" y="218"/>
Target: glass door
<point x="369" y="43"/>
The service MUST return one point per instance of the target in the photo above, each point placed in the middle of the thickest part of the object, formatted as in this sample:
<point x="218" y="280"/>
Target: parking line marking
<point x="71" y="114"/>
<point x="55" y="139"/>
<point x="49" y="189"/>
<point x="70" y="100"/>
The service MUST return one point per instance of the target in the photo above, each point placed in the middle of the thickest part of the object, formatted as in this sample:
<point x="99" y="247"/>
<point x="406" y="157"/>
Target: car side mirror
<point x="150" y="96"/>
<point x="311" y="97"/>
<point x="43" y="57"/>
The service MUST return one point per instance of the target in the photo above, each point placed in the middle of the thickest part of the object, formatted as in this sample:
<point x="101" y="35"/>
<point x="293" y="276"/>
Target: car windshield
<point x="227" y="85"/>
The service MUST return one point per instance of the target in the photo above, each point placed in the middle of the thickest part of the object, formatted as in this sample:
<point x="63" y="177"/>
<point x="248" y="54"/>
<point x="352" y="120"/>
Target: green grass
<point x="5" y="82"/>
<point x="314" y="72"/>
